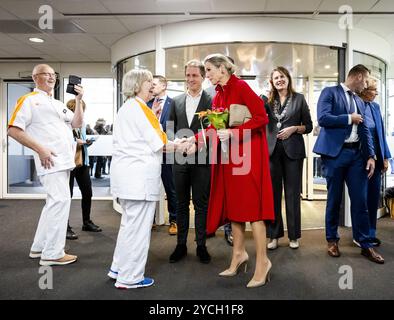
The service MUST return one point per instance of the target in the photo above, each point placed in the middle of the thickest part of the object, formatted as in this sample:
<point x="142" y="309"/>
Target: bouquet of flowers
<point x="218" y="118"/>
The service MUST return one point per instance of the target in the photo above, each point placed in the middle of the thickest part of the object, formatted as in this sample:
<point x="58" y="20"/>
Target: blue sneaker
<point x="147" y="282"/>
<point x="112" y="274"/>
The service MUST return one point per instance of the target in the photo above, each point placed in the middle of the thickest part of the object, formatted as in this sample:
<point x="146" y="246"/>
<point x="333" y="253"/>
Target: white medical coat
<point x="137" y="152"/>
<point x="48" y="121"/>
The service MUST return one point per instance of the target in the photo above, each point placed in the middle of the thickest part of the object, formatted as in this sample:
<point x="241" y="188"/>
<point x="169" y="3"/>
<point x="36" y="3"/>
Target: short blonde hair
<point x="372" y="84"/>
<point x="218" y="59"/>
<point x="72" y="103"/>
<point x="133" y="80"/>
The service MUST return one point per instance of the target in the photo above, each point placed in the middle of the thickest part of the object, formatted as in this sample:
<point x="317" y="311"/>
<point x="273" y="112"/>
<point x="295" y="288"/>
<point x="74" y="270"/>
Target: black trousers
<point x="100" y="166"/>
<point x="287" y="173"/>
<point x="82" y="176"/>
<point x="194" y="178"/>
<point x="169" y="186"/>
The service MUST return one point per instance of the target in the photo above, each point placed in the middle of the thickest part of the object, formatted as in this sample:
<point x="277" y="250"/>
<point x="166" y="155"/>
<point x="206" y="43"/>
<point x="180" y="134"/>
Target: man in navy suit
<point x="160" y="105"/>
<point x="346" y="148"/>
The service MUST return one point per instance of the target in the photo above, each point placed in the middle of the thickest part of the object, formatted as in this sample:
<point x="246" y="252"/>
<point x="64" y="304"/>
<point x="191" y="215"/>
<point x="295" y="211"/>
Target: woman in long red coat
<point x="241" y="189"/>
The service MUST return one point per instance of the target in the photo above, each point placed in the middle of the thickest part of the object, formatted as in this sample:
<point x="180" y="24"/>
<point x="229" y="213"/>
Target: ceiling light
<point x="327" y="66"/>
<point x="175" y="66"/>
<point x="37" y="40"/>
<point x="298" y="60"/>
<point x="336" y="74"/>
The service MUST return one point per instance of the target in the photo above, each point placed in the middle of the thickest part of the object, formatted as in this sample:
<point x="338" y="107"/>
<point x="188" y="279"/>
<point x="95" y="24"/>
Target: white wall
<point x="96" y="70"/>
<point x="249" y="29"/>
<point x="133" y="44"/>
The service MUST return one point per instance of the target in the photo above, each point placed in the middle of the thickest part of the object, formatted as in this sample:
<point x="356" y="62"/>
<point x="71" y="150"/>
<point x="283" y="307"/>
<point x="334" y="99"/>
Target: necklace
<point x="280" y="116"/>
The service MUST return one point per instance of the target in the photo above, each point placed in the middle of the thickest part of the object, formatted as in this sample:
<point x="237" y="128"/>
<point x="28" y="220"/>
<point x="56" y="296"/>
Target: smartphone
<point x="73" y="80"/>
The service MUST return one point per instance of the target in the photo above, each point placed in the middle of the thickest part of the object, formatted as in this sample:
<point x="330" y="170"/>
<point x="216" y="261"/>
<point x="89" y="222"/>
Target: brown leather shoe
<point x="173" y="229"/>
<point x="372" y="255"/>
<point x="333" y="249"/>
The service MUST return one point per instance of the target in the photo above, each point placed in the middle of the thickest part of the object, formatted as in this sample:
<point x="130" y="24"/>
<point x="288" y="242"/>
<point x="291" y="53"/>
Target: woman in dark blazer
<point x="289" y="119"/>
<point x="374" y="122"/>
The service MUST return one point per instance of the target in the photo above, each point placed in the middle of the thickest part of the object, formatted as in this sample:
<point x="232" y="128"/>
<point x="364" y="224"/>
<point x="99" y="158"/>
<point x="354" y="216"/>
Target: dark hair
<point x="357" y="69"/>
<point x="197" y="64"/>
<point x="273" y="92"/>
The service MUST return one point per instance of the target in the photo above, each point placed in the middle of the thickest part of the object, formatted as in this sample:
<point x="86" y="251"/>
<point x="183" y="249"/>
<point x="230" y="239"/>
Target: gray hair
<point x="133" y="80"/>
<point x="218" y="59"/>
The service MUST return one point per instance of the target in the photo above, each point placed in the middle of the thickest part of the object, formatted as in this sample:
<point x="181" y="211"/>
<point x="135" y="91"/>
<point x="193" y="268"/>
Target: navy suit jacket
<point x="377" y="117"/>
<point x="165" y="112"/>
<point x="333" y="118"/>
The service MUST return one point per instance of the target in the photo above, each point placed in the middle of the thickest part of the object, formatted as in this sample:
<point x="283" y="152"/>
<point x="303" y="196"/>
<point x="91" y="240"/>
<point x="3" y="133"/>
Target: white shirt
<point x="48" y="121"/>
<point x="353" y="135"/>
<point x="137" y="152"/>
<point x="191" y="106"/>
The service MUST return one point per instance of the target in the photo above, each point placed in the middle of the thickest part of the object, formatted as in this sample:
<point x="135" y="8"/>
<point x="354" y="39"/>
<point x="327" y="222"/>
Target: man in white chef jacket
<point x="44" y="124"/>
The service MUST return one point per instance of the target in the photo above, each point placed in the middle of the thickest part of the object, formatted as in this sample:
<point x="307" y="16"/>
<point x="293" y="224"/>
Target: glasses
<point x="373" y="90"/>
<point x="47" y="74"/>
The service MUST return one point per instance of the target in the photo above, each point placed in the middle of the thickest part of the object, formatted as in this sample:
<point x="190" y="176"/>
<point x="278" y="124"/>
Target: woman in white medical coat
<point x="138" y="142"/>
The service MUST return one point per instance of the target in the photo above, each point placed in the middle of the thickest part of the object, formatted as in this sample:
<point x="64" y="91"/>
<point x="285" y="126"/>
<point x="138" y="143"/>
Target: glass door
<point x="19" y="177"/>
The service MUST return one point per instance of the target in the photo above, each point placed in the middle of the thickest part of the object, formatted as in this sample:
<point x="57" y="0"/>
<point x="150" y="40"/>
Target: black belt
<point x="352" y="145"/>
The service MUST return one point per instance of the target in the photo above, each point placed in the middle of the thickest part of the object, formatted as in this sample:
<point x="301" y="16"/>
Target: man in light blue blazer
<point x="346" y="148"/>
<point x="374" y="122"/>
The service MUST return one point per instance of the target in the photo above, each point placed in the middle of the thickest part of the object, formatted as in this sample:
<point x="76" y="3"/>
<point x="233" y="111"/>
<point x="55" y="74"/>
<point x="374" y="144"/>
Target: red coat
<point x="246" y="196"/>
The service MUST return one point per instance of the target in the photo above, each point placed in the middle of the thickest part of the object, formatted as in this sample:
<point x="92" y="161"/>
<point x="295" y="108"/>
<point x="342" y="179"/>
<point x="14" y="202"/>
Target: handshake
<point x="185" y="145"/>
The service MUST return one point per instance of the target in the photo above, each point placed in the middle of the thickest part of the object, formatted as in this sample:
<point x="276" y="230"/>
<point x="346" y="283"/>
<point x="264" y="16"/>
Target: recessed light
<point x="298" y="60"/>
<point x="37" y="40"/>
<point x="327" y="66"/>
<point x="175" y="66"/>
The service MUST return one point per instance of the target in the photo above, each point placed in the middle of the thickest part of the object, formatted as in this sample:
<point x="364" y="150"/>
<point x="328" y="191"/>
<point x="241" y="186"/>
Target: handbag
<point x="239" y="114"/>
<point x="78" y="159"/>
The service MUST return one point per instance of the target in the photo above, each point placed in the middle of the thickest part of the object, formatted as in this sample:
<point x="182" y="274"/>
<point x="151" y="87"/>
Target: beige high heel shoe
<point x="230" y="273"/>
<point x="253" y="283"/>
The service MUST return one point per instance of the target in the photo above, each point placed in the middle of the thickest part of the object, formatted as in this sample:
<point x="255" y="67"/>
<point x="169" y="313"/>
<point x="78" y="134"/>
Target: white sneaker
<point x="147" y="282"/>
<point x="273" y="244"/>
<point x="294" y="244"/>
<point x="67" y="259"/>
<point x="112" y="274"/>
<point x="35" y="254"/>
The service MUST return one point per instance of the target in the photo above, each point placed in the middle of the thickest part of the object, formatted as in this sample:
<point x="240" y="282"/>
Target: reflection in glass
<point x="21" y="174"/>
<point x="98" y="118"/>
<point x="257" y="60"/>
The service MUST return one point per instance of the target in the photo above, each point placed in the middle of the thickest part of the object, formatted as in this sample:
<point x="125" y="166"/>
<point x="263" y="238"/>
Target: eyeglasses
<point x="47" y="74"/>
<point x="373" y="90"/>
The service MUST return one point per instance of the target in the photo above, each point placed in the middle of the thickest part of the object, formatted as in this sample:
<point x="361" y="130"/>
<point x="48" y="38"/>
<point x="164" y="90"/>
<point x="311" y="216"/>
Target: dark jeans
<point x="197" y="179"/>
<point x="169" y="186"/>
<point x="82" y="176"/>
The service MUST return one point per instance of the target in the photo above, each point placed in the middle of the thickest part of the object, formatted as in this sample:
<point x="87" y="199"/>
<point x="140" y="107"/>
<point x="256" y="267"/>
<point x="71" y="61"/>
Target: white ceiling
<point x="98" y="33"/>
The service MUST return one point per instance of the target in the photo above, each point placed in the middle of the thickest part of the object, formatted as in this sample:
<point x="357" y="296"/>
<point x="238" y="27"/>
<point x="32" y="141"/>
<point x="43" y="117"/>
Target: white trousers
<point x="50" y="236"/>
<point x="131" y="251"/>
